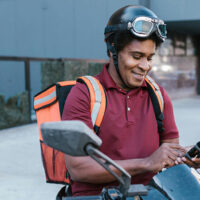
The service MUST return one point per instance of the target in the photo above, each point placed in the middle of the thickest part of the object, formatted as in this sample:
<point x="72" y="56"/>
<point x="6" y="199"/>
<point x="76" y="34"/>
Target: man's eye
<point x="150" y="58"/>
<point x="137" y="57"/>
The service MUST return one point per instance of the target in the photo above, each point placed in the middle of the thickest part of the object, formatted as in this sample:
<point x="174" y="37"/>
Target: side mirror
<point x="70" y="137"/>
<point x="77" y="139"/>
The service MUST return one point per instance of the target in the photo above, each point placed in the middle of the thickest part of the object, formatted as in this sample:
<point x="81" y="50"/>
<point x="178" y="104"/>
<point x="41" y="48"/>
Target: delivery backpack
<point x="49" y="105"/>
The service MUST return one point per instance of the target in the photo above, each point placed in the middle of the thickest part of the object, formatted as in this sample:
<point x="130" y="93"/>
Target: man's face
<point x="135" y="61"/>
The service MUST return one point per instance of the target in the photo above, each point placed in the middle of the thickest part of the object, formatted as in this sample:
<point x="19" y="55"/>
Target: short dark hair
<point x="123" y="38"/>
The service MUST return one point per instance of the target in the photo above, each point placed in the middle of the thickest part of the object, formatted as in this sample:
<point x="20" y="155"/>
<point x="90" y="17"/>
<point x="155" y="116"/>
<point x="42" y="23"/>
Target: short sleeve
<point x="77" y="105"/>
<point x="171" y="131"/>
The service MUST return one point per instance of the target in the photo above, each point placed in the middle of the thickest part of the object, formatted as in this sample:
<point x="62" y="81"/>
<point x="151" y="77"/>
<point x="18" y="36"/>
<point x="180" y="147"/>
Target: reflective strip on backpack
<point x="100" y="102"/>
<point x="65" y="83"/>
<point x="102" y="107"/>
<point x="91" y="91"/>
<point x="157" y="91"/>
<point x="95" y="95"/>
<point x="45" y="98"/>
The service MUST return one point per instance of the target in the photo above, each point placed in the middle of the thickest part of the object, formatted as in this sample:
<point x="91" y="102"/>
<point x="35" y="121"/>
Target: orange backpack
<point x="49" y="105"/>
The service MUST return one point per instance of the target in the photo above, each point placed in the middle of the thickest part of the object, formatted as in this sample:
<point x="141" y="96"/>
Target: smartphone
<point x="194" y="152"/>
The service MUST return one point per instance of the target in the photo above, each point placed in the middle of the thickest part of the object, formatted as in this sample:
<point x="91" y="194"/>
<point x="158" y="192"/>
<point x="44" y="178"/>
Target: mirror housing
<point x="69" y="137"/>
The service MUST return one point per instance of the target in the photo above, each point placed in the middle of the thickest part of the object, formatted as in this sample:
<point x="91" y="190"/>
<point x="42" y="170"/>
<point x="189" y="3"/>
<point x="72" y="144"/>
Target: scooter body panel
<point x="177" y="183"/>
<point x="153" y="194"/>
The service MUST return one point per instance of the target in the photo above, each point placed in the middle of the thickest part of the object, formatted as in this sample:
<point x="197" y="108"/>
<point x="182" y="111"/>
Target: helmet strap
<point x="112" y="49"/>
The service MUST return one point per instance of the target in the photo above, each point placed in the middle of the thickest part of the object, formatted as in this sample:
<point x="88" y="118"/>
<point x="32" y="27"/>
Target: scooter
<point x="76" y="139"/>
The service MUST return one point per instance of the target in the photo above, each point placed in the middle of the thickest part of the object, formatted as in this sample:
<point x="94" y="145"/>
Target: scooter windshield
<point x="177" y="183"/>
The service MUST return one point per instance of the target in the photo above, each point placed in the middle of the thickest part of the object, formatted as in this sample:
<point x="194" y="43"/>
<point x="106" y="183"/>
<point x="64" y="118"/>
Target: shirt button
<point x="128" y="97"/>
<point x="129" y="109"/>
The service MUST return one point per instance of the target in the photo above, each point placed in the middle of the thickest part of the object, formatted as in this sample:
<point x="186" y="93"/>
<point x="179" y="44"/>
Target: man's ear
<point x="111" y="57"/>
<point x="110" y="54"/>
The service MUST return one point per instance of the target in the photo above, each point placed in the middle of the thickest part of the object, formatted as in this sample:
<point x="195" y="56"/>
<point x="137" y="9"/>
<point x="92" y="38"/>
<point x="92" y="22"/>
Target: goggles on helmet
<point x="142" y="27"/>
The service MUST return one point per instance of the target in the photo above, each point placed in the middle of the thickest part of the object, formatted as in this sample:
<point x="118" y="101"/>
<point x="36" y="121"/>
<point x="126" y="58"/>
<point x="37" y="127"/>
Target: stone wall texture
<point x="14" y="111"/>
<point x="56" y="71"/>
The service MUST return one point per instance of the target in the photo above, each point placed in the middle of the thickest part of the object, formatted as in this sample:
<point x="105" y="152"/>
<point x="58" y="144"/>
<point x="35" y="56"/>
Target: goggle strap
<point x="114" y="28"/>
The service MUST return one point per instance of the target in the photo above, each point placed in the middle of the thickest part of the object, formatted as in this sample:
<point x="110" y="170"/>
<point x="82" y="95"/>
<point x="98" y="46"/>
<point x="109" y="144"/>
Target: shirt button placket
<point x="128" y="107"/>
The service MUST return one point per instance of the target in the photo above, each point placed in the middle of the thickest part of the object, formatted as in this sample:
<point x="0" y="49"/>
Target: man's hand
<point x="167" y="155"/>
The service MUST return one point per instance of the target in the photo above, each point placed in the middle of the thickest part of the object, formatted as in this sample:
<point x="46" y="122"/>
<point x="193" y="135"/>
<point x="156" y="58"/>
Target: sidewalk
<point x="187" y="116"/>
<point x="21" y="172"/>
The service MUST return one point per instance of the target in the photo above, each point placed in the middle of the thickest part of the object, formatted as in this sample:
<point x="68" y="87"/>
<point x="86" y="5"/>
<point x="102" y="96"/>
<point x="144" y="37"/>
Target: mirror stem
<point x="104" y="161"/>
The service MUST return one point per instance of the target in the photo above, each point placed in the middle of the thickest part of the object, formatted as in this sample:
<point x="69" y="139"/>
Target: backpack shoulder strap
<point x="97" y="99"/>
<point x="157" y="101"/>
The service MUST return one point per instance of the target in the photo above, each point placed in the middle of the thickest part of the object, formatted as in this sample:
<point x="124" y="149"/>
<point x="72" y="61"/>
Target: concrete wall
<point x="50" y="28"/>
<point x="56" y="28"/>
<point x="175" y="10"/>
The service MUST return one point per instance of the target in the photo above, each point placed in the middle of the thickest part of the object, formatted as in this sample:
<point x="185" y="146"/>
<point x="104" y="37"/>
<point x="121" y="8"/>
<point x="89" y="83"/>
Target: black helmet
<point x="140" y="21"/>
<point x="137" y="21"/>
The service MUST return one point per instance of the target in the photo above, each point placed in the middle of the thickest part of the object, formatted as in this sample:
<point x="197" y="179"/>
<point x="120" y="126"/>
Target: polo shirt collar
<point x="107" y="80"/>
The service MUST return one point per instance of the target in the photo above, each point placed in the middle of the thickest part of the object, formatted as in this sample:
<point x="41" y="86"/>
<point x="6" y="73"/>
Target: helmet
<point x="140" y="21"/>
<point x="137" y="21"/>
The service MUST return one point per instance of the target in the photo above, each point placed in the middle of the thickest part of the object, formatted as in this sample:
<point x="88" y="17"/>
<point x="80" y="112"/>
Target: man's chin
<point x="137" y="84"/>
<point x="133" y="86"/>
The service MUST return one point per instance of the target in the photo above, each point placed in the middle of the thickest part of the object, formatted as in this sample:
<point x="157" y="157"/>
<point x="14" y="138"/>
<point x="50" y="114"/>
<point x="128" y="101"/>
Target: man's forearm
<point x="85" y="169"/>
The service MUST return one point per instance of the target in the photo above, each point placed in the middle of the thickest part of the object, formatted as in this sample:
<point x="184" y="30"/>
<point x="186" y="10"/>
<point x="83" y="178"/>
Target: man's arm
<point x="85" y="169"/>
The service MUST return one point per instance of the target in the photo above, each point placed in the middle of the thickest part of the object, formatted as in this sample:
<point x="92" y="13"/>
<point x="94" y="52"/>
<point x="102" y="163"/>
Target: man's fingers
<point x="193" y="163"/>
<point x="196" y="160"/>
<point x="177" y="146"/>
<point x="174" y="153"/>
<point x="169" y="163"/>
<point x="172" y="156"/>
<point x="179" y="161"/>
<point x="176" y="149"/>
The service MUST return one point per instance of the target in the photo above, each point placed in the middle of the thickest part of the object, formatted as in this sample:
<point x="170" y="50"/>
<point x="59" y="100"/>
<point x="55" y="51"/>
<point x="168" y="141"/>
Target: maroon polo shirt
<point x="129" y="127"/>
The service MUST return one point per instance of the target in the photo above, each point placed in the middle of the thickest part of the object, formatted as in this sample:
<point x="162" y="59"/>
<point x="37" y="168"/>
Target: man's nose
<point x="144" y="64"/>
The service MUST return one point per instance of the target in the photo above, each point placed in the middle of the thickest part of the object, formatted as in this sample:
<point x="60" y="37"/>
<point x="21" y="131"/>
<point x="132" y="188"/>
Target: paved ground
<point x="21" y="171"/>
<point x="187" y="115"/>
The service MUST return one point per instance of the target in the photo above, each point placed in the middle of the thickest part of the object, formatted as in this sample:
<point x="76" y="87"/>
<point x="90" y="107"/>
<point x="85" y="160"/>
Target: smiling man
<point x="135" y="61"/>
<point x="129" y="129"/>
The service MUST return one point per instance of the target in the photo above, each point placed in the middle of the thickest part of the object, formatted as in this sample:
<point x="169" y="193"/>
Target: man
<point x="129" y="128"/>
